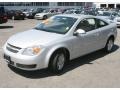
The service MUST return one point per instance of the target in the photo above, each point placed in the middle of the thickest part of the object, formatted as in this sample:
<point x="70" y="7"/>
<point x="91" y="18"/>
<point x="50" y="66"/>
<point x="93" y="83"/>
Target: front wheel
<point x="109" y="45"/>
<point x="45" y="17"/>
<point x="57" y="62"/>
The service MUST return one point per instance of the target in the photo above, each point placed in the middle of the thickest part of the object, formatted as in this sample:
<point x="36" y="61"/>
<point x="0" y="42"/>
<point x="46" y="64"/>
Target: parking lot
<point x="97" y="69"/>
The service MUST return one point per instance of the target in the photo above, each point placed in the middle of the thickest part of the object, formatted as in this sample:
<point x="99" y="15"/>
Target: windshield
<point x="57" y="24"/>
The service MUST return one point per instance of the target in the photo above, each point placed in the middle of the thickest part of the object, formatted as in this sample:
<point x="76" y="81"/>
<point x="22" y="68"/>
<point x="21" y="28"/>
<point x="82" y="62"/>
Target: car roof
<point x="75" y="15"/>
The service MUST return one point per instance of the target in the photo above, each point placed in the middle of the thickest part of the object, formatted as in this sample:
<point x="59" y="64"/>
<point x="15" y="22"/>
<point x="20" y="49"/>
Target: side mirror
<point x="78" y="32"/>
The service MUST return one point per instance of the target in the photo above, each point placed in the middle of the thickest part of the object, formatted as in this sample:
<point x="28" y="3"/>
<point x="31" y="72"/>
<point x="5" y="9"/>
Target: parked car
<point x="57" y="40"/>
<point x="16" y="14"/>
<point x="26" y="12"/>
<point x="44" y="15"/>
<point x="89" y="11"/>
<point x="106" y="15"/>
<point x="74" y="11"/>
<point x="116" y="18"/>
<point x="32" y="14"/>
<point x="3" y="16"/>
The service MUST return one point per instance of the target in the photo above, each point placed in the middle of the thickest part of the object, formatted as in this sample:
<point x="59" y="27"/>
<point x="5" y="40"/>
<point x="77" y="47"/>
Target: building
<point x="31" y="5"/>
<point x="107" y="5"/>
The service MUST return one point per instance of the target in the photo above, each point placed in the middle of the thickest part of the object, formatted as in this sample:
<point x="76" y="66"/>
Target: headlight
<point x="32" y="51"/>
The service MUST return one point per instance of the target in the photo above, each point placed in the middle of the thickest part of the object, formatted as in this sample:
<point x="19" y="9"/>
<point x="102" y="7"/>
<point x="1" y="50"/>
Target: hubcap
<point x="60" y="62"/>
<point x="110" y="45"/>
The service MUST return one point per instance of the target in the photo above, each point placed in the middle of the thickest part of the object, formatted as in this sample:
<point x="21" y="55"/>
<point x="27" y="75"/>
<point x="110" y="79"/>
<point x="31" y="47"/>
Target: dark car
<point x="16" y="15"/>
<point x="73" y="11"/>
<point x="89" y="11"/>
<point x="35" y="11"/>
<point x="3" y="16"/>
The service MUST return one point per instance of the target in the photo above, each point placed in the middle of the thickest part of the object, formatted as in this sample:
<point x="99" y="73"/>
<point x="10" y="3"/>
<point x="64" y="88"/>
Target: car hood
<point x="33" y="37"/>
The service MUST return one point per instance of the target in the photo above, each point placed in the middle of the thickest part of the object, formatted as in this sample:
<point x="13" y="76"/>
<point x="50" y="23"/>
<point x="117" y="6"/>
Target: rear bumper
<point x="19" y="17"/>
<point x="30" y="17"/>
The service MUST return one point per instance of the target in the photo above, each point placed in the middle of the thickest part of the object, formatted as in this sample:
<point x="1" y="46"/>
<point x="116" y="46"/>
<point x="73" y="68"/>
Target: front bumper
<point x="25" y="62"/>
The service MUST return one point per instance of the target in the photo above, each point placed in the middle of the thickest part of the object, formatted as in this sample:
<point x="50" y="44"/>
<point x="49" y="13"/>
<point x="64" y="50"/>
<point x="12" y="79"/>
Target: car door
<point x="104" y="29"/>
<point x="88" y="42"/>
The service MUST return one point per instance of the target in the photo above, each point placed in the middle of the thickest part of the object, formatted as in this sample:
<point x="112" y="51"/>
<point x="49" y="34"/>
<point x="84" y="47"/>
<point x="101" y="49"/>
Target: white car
<point x="57" y="40"/>
<point x="117" y="20"/>
<point x="44" y="15"/>
<point x="26" y="13"/>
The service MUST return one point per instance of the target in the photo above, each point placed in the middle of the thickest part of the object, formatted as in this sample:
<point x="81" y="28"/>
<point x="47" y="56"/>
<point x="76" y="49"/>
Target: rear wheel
<point x="109" y="45"/>
<point x="57" y="61"/>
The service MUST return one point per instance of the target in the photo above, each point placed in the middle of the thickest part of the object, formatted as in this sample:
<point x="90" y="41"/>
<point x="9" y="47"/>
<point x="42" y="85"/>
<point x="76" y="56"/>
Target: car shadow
<point x="87" y="59"/>
<point x="4" y="27"/>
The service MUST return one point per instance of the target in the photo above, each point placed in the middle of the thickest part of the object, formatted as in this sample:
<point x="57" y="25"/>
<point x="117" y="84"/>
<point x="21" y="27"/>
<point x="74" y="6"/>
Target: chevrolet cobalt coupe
<point x="57" y="40"/>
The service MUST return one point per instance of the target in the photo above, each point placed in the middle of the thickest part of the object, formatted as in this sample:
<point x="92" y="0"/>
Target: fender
<point x="51" y="51"/>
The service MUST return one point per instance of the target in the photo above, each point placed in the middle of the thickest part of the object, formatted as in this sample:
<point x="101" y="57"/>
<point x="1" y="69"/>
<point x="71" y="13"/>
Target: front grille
<point x="12" y="48"/>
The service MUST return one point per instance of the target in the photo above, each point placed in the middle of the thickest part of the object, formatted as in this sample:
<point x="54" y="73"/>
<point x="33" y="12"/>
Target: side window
<point x="101" y="23"/>
<point x="87" y="24"/>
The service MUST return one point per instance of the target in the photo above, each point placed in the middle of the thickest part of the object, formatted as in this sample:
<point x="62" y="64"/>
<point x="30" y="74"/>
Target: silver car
<point x="55" y="41"/>
<point x="44" y="15"/>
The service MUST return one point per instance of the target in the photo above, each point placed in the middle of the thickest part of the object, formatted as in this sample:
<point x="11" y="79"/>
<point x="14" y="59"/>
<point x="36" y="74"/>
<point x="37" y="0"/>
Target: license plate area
<point x="8" y="59"/>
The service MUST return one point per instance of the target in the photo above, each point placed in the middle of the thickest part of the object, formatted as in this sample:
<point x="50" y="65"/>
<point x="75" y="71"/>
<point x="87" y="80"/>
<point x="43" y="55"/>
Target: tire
<point x="57" y="61"/>
<point x="109" y="45"/>
<point x="45" y="17"/>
